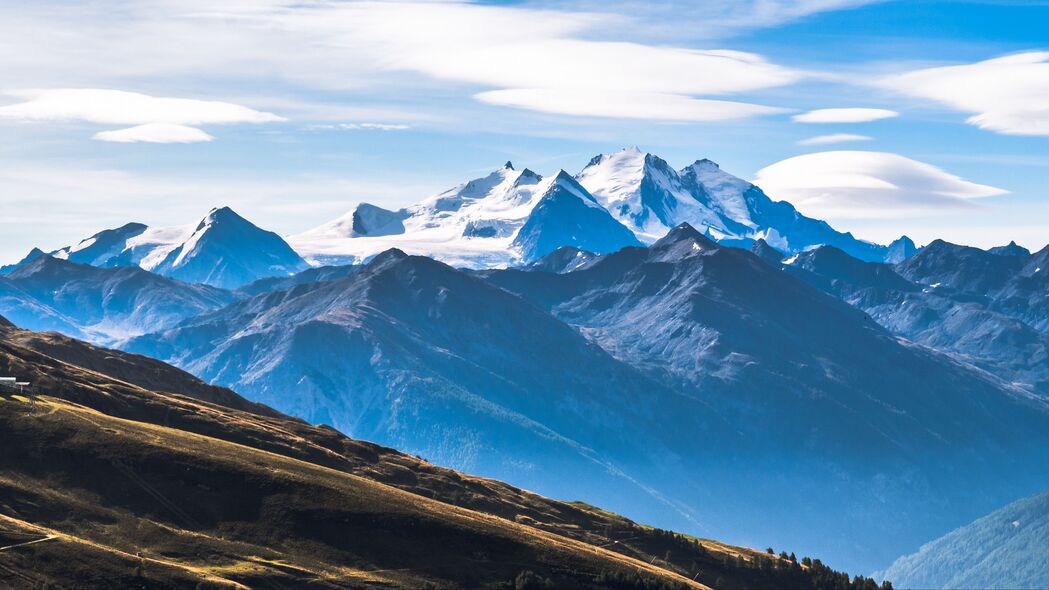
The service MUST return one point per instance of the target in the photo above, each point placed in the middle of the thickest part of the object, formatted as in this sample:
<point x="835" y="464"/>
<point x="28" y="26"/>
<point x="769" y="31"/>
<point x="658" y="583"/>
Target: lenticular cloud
<point x="858" y="184"/>
<point x="152" y="119"/>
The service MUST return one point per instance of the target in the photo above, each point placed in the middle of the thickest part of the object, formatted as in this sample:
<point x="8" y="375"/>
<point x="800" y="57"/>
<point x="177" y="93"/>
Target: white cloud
<point x="379" y="45"/>
<point x="117" y="107"/>
<point x="1008" y="95"/>
<point x="845" y="115"/>
<point x="626" y="105"/>
<point x="154" y="119"/>
<point x="866" y="185"/>
<point x="539" y="60"/>
<point x="155" y="133"/>
<point x="834" y="138"/>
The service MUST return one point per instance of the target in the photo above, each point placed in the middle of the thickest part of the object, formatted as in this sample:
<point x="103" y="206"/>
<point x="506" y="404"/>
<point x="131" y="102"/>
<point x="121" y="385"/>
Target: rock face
<point x="1005" y="549"/>
<point x="103" y="305"/>
<point x="117" y="441"/>
<point x="411" y="352"/>
<point x="706" y="373"/>
<point x="973" y="322"/>
<point x="222" y="250"/>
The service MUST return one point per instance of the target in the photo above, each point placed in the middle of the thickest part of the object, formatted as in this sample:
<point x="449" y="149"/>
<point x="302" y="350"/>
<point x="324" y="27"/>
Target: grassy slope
<point x="144" y="487"/>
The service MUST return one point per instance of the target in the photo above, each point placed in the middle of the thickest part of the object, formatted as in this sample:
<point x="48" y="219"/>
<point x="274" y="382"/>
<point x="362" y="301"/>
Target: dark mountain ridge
<point x="100" y="304"/>
<point x="119" y="485"/>
<point x="816" y="381"/>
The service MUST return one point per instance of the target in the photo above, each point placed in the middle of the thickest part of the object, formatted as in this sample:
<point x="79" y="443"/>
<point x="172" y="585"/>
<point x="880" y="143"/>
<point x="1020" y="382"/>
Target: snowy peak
<point x="643" y="193"/>
<point x="225" y="250"/>
<point x="726" y="194"/>
<point x="222" y="250"/>
<point x="477" y="224"/>
<point x="370" y="220"/>
<point x="104" y="248"/>
<point x="567" y="215"/>
<point x="471" y="224"/>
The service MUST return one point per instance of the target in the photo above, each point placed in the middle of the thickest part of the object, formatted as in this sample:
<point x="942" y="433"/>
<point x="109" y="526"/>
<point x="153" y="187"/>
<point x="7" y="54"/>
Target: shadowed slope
<point x="114" y="484"/>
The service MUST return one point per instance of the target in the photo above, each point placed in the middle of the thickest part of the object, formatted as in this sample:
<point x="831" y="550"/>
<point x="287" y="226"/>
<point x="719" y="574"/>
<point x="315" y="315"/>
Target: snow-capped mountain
<point x="507" y="217"/>
<point x="222" y="250"/>
<point x="489" y="222"/>
<point x="567" y="215"/>
<point x="645" y="194"/>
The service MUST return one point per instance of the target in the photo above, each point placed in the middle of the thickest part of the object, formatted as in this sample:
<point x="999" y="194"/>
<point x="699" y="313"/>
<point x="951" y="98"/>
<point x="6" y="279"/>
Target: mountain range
<point x="983" y="307"/>
<point x="665" y="377"/>
<point x="100" y="304"/>
<point x="694" y="353"/>
<point x="1003" y="550"/>
<point x="497" y="220"/>
<point x="507" y="218"/>
<point x="120" y="471"/>
<point x="221" y="250"/>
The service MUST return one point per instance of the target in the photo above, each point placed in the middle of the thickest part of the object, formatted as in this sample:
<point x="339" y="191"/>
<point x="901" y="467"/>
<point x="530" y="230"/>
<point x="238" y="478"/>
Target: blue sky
<point x="158" y="110"/>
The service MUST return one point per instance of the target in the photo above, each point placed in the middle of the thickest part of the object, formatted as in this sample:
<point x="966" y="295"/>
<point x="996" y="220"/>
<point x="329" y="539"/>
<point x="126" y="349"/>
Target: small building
<point x="13" y="384"/>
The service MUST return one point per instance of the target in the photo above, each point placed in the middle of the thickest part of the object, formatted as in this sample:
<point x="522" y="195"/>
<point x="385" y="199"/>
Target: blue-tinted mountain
<point x="566" y="215"/>
<point x="1010" y="249"/>
<point x="1004" y="550"/>
<point x="836" y="440"/>
<point x="311" y="275"/>
<point x="1007" y="280"/>
<point x="222" y="250"/>
<point x="100" y="304"/>
<point x="845" y="274"/>
<point x="33" y="255"/>
<point x="962" y="268"/>
<point x="958" y="322"/>
<point x="564" y="259"/>
<point x="718" y="387"/>
<point x="412" y="352"/>
<point x="899" y="250"/>
<point x="764" y="251"/>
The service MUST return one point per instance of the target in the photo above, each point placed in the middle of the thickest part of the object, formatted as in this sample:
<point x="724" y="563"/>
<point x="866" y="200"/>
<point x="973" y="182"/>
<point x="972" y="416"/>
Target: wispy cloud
<point x="155" y="133"/>
<point x="153" y="119"/>
<point x="624" y="104"/>
<point x="469" y="47"/>
<point x="834" y="138"/>
<point x="868" y="185"/>
<point x="1008" y="94"/>
<point x="363" y="126"/>
<point x="845" y="115"/>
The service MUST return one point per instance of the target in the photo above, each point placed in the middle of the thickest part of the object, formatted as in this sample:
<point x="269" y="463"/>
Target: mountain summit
<point x="222" y="250"/>
<point x="492" y="221"/>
